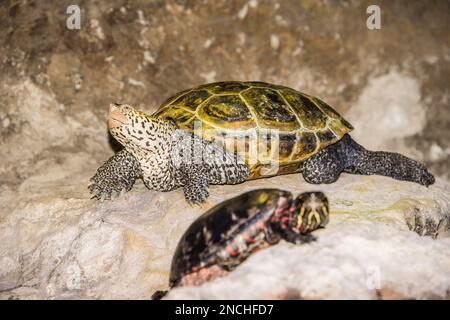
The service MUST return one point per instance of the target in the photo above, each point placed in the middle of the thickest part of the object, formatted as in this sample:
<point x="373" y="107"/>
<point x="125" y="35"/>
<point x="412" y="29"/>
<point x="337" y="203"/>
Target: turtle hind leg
<point x="158" y="295"/>
<point x="116" y="174"/>
<point x="361" y="161"/>
<point x="325" y="166"/>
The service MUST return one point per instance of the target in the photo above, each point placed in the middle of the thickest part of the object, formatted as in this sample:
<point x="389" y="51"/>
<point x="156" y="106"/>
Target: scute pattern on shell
<point x="246" y="114"/>
<point x="210" y="232"/>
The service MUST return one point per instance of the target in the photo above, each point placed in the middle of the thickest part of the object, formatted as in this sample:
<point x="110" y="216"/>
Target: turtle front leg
<point x="118" y="173"/>
<point x="224" y="167"/>
<point x="199" y="163"/>
<point x="195" y="183"/>
<point x="297" y="238"/>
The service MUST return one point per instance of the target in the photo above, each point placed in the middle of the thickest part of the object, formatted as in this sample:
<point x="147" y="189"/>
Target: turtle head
<point x="309" y="212"/>
<point x="120" y="115"/>
<point x="134" y="129"/>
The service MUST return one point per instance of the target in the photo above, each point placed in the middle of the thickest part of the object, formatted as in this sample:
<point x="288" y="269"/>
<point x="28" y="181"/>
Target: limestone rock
<point x="58" y="243"/>
<point x="55" y="88"/>
<point x="366" y="252"/>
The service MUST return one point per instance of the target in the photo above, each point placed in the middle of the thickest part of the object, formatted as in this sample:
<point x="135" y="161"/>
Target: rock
<point x="58" y="243"/>
<point x="366" y="252"/>
<point x="389" y="103"/>
<point x="55" y="89"/>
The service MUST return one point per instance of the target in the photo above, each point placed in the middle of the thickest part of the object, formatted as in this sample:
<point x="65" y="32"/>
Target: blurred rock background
<point x="56" y="85"/>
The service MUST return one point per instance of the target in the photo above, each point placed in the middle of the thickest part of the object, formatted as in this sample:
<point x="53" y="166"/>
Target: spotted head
<point x="135" y="130"/>
<point x="310" y="211"/>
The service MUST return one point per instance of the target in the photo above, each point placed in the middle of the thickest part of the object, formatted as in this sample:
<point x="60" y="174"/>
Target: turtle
<point x="230" y="132"/>
<point x="223" y="237"/>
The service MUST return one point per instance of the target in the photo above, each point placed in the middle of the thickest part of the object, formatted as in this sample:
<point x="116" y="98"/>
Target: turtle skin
<point x="224" y="236"/>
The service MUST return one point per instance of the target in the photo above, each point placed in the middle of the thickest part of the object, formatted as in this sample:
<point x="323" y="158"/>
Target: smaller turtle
<point x="224" y="236"/>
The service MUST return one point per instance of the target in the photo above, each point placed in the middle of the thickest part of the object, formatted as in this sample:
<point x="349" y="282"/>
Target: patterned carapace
<point x="283" y="126"/>
<point x="224" y="236"/>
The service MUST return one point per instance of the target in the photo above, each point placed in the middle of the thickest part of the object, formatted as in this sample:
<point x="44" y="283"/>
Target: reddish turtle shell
<point x="211" y="233"/>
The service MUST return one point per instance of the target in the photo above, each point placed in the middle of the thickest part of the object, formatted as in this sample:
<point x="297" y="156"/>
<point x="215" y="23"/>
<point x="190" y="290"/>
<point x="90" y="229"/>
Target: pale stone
<point x="390" y="103"/>
<point x="366" y="252"/>
<point x="56" y="243"/>
<point x="60" y="244"/>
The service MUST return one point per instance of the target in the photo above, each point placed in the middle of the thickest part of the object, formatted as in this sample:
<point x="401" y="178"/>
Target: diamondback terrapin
<point x="242" y="130"/>
<point x="224" y="236"/>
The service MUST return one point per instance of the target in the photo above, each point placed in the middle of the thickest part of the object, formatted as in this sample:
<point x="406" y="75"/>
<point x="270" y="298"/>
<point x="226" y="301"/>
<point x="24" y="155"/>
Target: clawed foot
<point x="196" y="184"/>
<point x="104" y="187"/>
<point x="305" y="238"/>
<point x="115" y="175"/>
<point x="429" y="221"/>
<point x="298" y="238"/>
<point x="196" y="196"/>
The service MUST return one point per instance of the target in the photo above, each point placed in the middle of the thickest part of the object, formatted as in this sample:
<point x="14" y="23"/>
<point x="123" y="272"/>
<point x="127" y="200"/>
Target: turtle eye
<point x="126" y="109"/>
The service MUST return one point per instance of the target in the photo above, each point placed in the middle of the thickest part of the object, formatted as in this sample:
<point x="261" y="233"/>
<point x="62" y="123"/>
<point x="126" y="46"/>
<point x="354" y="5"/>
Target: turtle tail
<point x="358" y="160"/>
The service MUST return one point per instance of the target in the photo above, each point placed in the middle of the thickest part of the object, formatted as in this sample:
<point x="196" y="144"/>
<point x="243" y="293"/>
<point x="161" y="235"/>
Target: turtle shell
<point x="210" y="232"/>
<point x="273" y="128"/>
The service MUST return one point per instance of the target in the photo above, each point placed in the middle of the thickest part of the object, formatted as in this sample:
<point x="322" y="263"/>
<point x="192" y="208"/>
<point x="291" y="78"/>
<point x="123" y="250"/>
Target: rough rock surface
<point x="57" y="243"/>
<point x="366" y="252"/>
<point x="56" y="84"/>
